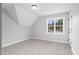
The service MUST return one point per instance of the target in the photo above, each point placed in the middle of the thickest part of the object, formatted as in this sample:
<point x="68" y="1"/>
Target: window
<point x="55" y="25"/>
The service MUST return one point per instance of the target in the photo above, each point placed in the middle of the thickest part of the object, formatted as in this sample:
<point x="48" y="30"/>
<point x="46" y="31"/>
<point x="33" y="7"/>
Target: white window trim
<point x="55" y="26"/>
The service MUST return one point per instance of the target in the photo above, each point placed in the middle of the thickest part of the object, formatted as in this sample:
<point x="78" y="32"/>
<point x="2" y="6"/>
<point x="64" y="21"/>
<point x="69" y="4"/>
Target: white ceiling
<point x="43" y="8"/>
<point x="25" y="15"/>
<point x="46" y="8"/>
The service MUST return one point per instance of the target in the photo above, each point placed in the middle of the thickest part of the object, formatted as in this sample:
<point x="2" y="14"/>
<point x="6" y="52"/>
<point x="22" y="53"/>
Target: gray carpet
<point x="37" y="47"/>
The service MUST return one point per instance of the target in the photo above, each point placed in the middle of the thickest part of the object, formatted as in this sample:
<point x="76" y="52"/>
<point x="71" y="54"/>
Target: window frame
<point x="55" y="32"/>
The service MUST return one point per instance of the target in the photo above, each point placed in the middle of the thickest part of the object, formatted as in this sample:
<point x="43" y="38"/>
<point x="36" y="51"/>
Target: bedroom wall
<point x="75" y="29"/>
<point x="39" y="29"/>
<point x="12" y="32"/>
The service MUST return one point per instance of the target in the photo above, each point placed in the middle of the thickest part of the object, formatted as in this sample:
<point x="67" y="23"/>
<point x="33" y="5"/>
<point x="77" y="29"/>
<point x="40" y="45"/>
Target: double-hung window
<point x="55" y="25"/>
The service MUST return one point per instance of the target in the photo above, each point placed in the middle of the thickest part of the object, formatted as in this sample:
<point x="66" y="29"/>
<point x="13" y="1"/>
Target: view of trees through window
<point x="55" y="25"/>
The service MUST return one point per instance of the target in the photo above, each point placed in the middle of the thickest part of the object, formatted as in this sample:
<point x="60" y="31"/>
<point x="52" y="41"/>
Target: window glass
<point x="55" y="24"/>
<point x="59" y="25"/>
<point x="50" y="25"/>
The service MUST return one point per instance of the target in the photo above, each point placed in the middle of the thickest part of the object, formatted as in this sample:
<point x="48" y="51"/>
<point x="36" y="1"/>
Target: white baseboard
<point x="50" y="40"/>
<point x="14" y="42"/>
<point x="38" y="39"/>
<point x="31" y="38"/>
<point x="73" y="51"/>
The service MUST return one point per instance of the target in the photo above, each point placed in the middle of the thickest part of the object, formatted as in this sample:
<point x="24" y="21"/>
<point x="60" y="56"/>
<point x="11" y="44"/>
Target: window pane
<point x="59" y="21"/>
<point x="50" y="28"/>
<point x="50" y="25"/>
<point x="59" y="28"/>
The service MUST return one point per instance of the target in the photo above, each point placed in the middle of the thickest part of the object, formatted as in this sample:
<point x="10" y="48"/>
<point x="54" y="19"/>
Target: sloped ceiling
<point x="19" y="15"/>
<point x="46" y="8"/>
<point x="26" y="16"/>
<point x="10" y="9"/>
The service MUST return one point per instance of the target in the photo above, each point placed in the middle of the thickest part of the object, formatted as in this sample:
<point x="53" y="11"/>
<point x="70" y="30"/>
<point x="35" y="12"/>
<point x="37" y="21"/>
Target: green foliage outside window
<point x="58" y="25"/>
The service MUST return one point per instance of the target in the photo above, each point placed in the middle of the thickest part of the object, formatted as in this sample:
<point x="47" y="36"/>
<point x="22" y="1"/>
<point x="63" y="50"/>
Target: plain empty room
<point x="40" y="28"/>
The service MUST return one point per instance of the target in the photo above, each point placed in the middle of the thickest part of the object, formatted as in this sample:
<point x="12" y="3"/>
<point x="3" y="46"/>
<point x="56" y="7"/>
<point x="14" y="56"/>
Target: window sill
<point x="55" y="33"/>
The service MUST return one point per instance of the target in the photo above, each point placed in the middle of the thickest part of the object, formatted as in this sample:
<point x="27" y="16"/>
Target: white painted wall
<point x="25" y="18"/>
<point x="11" y="32"/>
<point x="75" y="28"/>
<point x="11" y="10"/>
<point x="39" y="29"/>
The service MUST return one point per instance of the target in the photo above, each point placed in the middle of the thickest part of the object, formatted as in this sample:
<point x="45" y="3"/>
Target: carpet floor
<point x="37" y="47"/>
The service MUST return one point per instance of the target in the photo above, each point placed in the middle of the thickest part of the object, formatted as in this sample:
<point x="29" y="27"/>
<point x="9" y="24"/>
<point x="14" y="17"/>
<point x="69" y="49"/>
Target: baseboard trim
<point x="31" y="38"/>
<point x="73" y="51"/>
<point x="14" y="42"/>
<point x="50" y="40"/>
